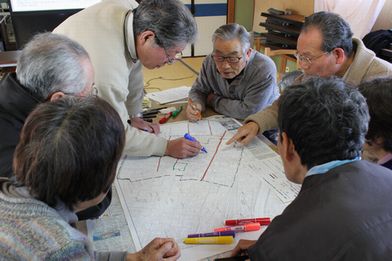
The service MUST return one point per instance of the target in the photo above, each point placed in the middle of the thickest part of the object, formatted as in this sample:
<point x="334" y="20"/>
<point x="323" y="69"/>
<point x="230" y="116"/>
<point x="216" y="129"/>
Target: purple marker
<point x="214" y="234"/>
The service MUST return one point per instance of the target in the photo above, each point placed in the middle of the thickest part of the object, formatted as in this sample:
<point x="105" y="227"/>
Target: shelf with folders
<point x="282" y="30"/>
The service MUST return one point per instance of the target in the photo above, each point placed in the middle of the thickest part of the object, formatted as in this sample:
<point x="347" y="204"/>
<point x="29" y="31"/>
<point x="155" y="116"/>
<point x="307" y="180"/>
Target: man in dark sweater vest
<point x="343" y="211"/>
<point x="50" y="67"/>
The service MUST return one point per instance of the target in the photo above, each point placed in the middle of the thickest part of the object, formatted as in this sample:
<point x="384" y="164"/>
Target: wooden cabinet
<point x="282" y="30"/>
<point x="299" y="7"/>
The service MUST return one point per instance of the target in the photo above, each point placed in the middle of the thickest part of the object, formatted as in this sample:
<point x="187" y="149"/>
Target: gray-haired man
<point x="325" y="48"/>
<point x="121" y="38"/>
<point x="49" y="67"/>
<point x="234" y="80"/>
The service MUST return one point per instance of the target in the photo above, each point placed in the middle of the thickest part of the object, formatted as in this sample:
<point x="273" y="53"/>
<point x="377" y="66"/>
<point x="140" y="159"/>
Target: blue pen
<point x="189" y="137"/>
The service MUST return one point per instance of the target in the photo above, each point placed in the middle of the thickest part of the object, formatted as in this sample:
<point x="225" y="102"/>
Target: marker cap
<point x="252" y="227"/>
<point x="242" y="228"/>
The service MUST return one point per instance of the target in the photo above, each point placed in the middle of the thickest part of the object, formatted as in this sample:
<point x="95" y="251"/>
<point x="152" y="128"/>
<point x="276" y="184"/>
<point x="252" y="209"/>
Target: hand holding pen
<point x="189" y="137"/>
<point x="193" y="111"/>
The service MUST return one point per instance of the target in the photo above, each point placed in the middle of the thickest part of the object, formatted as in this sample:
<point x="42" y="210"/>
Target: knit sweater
<point x="31" y="230"/>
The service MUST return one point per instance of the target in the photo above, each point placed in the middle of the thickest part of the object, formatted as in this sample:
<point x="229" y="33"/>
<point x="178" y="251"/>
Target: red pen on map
<point x="262" y="221"/>
<point x="243" y="228"/>
<point x="165" y="118"/>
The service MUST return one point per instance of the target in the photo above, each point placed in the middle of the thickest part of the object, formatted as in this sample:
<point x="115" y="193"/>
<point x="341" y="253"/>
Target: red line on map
<point x="159" y="163"/>
<point x="209" y="164"/>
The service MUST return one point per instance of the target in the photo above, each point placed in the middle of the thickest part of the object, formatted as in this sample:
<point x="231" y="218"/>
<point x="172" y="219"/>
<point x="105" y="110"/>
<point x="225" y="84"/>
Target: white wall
<point x="384" y="20"/>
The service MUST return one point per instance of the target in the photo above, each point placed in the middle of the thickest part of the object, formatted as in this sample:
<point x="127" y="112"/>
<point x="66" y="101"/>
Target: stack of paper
<point x="170" y="95"/>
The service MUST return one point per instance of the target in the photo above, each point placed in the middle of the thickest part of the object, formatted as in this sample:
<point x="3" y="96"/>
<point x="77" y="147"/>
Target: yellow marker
<point x="209" y="240"/>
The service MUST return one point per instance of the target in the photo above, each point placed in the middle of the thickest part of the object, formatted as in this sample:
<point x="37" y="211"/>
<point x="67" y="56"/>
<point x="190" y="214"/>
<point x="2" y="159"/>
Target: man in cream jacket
<point x="121" y="37"/>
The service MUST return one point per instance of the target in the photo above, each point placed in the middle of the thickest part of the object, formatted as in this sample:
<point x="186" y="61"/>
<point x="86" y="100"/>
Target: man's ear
<point x="55" y="96"/>
<point x="340" y="55"/>
<point x="287" y="150"/>
<point x="145" y="36"/>
<point x="248" y="52"/>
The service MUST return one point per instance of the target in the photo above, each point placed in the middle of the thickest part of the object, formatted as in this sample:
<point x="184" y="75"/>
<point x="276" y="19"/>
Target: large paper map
<point x="168" y="197"/>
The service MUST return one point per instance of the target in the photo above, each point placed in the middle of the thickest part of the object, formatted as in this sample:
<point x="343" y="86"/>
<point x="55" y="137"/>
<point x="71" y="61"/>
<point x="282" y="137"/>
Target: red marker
<point x="243" y="228"/>
<point x="235" y="222"/>
<point x="165" y="118"/>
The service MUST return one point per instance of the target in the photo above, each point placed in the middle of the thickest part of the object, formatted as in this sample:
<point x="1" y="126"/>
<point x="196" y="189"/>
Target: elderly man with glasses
<point x="121" y="37"/>
<point x="325" y="48"/>
<point x="234" y="80"/>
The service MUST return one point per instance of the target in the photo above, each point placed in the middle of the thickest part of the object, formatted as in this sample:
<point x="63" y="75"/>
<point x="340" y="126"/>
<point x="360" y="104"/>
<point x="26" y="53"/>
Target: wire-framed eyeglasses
<point x="170" y="59"/>
<point x="307" y="60"/>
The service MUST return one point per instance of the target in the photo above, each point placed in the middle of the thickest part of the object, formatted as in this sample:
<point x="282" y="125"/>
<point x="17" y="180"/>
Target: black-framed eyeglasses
<point x="229" y="59"/>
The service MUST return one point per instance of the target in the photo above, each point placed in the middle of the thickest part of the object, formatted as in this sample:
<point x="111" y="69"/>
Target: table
<point x="151" y="214"/>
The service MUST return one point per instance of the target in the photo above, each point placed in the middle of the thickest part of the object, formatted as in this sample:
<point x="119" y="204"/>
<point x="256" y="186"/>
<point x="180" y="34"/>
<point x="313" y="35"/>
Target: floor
<point x="180" y="73"/>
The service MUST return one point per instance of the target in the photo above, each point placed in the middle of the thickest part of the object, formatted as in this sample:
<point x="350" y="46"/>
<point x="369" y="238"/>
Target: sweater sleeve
<point x="200" y="88"/>
<point x="267" y="119"/>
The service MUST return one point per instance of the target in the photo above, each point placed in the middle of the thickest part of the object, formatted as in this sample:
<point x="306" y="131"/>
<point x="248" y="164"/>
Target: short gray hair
<point x="335" y="30"/>
<point x="50" y="63"/>
<point x="233" y="31"/>
<point x="170" y="20"/>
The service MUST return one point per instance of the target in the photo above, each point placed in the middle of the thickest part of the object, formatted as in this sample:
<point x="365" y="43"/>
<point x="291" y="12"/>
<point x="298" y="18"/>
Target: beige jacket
<point x="366" y="66"/>
<point x="106" y="32"/>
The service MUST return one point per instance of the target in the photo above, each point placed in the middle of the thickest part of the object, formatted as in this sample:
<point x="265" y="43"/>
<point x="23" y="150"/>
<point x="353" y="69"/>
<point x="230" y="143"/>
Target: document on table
<point x="168" y="197"/>
<point x="170" y="95"/>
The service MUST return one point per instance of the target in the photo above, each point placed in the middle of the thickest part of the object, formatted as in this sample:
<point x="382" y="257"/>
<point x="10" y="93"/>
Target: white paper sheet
<point x="170" y="95"/>
<point x="168" y="197"/>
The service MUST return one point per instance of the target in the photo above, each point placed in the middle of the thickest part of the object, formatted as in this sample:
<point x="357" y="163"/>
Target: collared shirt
<point x="385" y="159"/>
<point x="324" y="168"/>
<point x="129" y="36"/>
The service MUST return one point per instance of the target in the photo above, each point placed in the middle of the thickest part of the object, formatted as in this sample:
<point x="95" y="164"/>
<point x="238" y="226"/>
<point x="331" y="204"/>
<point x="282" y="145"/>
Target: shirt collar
<point x="324" y="168"/>
<point x="385" y="159"/>
<point x="69" y="216"/>
<point x="129" y="36"/>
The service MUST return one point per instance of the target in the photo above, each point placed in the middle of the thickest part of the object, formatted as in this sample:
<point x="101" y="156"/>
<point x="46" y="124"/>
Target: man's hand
<point x="245" y="133"/>
<point x="193" y="111"/>
<point x="242" y="245"/>
<point x="139" y="123"/>
<point x="158" y="249"/>
<point x="182" y="148"/>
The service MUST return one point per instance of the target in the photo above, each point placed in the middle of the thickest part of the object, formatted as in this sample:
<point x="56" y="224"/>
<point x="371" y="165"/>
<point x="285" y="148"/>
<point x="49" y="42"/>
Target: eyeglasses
<point x="308" y="60"/>
<point x="94" y="91"/>
<point x="229" y="59"/>
<point x="171" y="60"/>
